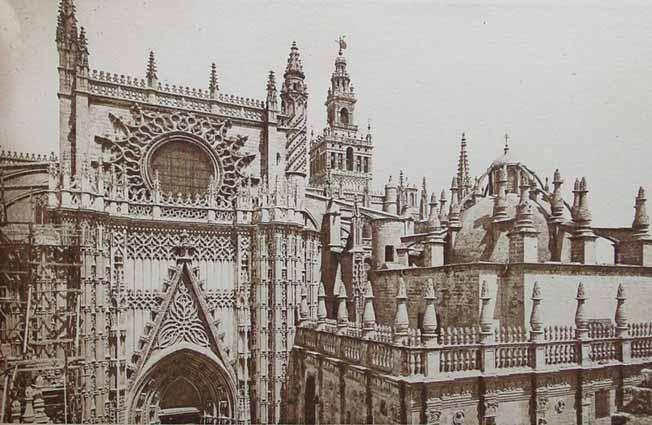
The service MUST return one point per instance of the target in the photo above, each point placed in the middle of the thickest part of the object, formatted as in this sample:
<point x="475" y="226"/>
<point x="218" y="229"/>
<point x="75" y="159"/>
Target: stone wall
<point x="510" y="289"/>
<point x="576" y="396"/>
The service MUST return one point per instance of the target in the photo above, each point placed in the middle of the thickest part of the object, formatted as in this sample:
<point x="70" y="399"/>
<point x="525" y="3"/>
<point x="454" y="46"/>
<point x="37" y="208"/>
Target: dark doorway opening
<point x="310" y="400"/>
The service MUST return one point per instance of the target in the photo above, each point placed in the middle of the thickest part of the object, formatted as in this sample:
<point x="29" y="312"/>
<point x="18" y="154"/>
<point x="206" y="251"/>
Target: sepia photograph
<point x="325" y="212"/>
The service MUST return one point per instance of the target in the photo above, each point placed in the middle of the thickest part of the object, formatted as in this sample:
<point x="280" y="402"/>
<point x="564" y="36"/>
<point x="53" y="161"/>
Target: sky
<point x="570" y="82"/>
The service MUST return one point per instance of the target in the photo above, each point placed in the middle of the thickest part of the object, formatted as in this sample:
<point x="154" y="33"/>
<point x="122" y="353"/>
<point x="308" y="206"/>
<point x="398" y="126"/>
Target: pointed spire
<point x="423" y="205"/>
<point x="272" y="102"/>
<point x="369" y="314"/>
<point x="401" y="320"/>
<point x="82" y="58"/>
<point x="506" y="149"/>
<point x="66" y="24"/>
<point x="433" y="220"/>
<point x="430" y="326"/>
<point x="294" y="66"/>
<point x="213" y="86"/>
<point x="463" y="172"/>
<point x="621" y="313"/>
<point x="641" y="223"/>
<point x="152" y="78"/>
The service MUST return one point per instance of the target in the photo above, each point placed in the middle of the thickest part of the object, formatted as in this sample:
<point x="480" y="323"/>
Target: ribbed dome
<point x="475" y="241"/>
<point x="504" y="159"/>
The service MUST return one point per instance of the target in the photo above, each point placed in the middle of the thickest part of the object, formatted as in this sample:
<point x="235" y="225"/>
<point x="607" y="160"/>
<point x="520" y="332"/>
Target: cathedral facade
<point x="194" y="256"/>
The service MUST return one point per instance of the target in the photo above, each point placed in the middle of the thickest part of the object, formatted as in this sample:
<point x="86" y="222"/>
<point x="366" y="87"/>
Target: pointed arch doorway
<point x="184" y="385"/>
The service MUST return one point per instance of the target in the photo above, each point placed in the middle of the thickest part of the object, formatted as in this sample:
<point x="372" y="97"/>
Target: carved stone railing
<point x="468" y="350"/>
<point x="136" y="90"/>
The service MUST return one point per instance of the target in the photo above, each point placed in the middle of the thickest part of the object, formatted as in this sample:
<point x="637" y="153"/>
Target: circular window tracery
<point x="182" y="167"/>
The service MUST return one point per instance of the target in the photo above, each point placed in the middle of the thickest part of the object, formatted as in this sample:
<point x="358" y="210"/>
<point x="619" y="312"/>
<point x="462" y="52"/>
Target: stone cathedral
<point x="192" y="256"/>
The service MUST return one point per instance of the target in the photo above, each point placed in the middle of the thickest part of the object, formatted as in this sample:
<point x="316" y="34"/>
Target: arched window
<point x="344" y="116"/>
<point x="349" y="158"/>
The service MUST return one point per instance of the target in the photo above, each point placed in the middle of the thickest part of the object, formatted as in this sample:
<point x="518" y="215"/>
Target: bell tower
<point x="341" y="156"/>
<point x="340" y="102"/>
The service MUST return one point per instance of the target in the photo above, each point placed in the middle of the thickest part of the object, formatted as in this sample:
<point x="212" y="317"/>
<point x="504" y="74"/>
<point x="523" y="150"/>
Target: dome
<point x="504" y="159"/>
<point x="475" y="242"/>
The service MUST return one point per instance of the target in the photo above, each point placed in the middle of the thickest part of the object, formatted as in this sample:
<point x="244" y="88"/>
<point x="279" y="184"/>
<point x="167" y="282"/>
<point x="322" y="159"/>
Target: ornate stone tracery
<point x="139" y="139"/>
<point x="182" y="323"/>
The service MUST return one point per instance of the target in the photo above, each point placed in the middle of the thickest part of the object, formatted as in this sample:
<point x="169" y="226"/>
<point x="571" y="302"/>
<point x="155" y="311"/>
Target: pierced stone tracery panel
<point x="148" y="132"/>
<point x="160" y="245"/>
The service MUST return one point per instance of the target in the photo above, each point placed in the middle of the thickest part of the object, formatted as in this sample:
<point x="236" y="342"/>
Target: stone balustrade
<point x="459" y="350"/>
<point x="134" y="89"/>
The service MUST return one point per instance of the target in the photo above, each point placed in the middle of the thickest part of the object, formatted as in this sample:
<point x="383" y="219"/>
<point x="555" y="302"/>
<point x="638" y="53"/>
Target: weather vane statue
<point x="342" y="43"/>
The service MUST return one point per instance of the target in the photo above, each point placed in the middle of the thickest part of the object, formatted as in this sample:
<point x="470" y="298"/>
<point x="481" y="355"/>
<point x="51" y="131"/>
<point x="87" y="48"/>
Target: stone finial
<point x="621" y="313"/>
<point x="557" y="202"/>
<point x="272" y="101"/>
<point x="401" y="320"/>
<point x="303" y="309"/>
<point x="463" y="172"/>
<point x="433" y="219"/>
<point x="430" y="314"/>
<point x="423" y="206"/>
<point x="486" y="323"/>
<point x="342" y="299"/>
<point x="536" y="322"/>
<point x="294" y="66"/>
<point x="368" y="314"/>
<point x="454" y="219"/>
<point x="524" y="214"/>
<point x="152" y="78"/>
<point x="213" y="86"/>
<point x="321" y="304"/>
<point x="582" y="215"/>
<point x="581" y="322"/>
<point x="641" y="223"/>
<point x="443" y="216"/>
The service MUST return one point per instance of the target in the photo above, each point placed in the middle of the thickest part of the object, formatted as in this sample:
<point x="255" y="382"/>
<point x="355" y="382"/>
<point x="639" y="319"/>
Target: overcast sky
<point x="571" y="84"/>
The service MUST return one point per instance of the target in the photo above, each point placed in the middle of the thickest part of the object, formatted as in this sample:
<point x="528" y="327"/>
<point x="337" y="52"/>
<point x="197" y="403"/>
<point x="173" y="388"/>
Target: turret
<point x="294" y="93"/>
<point x="637" y="250"/>
<point x="294" y="104"/>
<point x="390" y="198"/>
